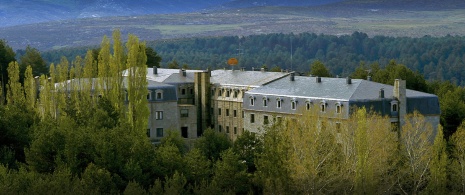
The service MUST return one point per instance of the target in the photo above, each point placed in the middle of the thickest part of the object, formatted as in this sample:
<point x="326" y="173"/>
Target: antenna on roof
<point x="291" y="51"/>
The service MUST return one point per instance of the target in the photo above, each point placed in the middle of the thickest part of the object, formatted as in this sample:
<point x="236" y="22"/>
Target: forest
<point x="71" y="140"/>
<point x="436" y="58"/>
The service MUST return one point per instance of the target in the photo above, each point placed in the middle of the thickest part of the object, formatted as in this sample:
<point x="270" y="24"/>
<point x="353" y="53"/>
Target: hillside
<point x="333" y="19"/>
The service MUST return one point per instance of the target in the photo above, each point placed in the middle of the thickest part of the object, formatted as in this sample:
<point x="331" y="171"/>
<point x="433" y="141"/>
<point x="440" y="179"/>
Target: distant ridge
<point x="405" y="4"/>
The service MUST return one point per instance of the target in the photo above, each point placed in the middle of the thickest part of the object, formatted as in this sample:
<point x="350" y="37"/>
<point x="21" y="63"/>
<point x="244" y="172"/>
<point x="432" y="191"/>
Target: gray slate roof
<point x="244" y="78"/>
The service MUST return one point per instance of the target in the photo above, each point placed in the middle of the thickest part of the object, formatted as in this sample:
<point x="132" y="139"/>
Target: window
<point x="159" y="132"/>
<point x="323" y="107"/>
<point x="279" y="119"/>
<point x="394" y="107"/>
<point x="278" y="103"/>
<point x="159" y="96"/>
<point x="252" y="118"/>
<point x="235" y="130"/>
<point x="148" y="132"/>
<point x="219" y="93"/>
<point x="265" y="120"/>
<point x="235" y="113"/>
<point x="235" y="94"/>
<point x="219" y="111"/>
<point x="192" y="91"/>
<point x="338" y="109"/>
<point x="159" y="115"/>
<point x="307" y="105"/>
<point x="184" y="132"/>
<point x="149" y="95"/>
<point x="220" y="128"/>
<point x="213" y="92"/>
<point x="183" y="91"/>
<point x="227" y="129"/>
<point x="293" y="105"/>
<point x="227" y="93"/>
<point x="252" y="101"/>
<point x="227" y="112"/>
<point x="243" y="114"/>
<point x="265" y="102"/>
<point x="184" y="113"/>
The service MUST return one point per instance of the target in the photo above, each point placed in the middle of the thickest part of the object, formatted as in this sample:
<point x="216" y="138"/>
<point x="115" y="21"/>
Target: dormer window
<point x="235" y="94"/>
<point x="159" y="94"/>
<point x="293" y="104"/>
<point x="394" y="107"/>
<point x="265" y="101"/>
<point x="149" y="95"/>
<point x="279" y="102"/>
<point x="338" y="108"/>
<point x="227" y="93"/>
<point x="323" y="106"/>
<point x="252" y="101"/>
<point x="220" y="92"/>
<point x="308" y="104"/>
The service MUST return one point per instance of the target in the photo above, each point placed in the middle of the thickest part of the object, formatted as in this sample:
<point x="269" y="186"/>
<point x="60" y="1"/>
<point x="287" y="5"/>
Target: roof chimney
<point x="262" y="69"/>
<point x="318" y="79"/>
<point x="381" y="93"/>
<point x="155" y="70"/>
<point x="184" y="73"/>
<point x="369" y="78"/>
<point x="349" y="80"/>
<point x="253" y="68"/>
<point x="292" y="76"/>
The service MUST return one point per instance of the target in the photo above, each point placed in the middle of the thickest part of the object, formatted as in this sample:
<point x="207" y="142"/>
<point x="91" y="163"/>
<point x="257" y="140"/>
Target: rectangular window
<point x="183" y="91"/>
<point x="159" y="96"/>
<point x="227" y="112"/>
<point x="338" y="109"/>
<point x="252" y="101"/>
<point x="227" y="129"/>
<point x="159" y="115"/>
<point x="235" y="130"/>
<point x="219" y="111"/>
<point x="235" y="113"/>
<point x="148" y="132"/>
<point x="265" y="103"/>
<point x="243" y="115"/>
<point x="220" y="128"/>
<point x="252" y="118"/>
<point x="293" y="105"/>
<point x="192" y="91"/>
<point x="227" y="93"/>
<point x="265" y="120"/>
<point x="159" y="132"/>
<point x="184" y="113"/>
<point x="219" y="93"/>
<point x="184" y="132"/>
<point x="235" y="94"/>
<point x="149" y="95"/>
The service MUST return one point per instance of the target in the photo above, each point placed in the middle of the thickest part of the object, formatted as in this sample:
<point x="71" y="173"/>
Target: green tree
<point x="173" y="65"/>
<point x="212" y="143"/>
<point x="438" y="167"/>
<point x="33" y="58"/>
<point x="458" y="160"/>
<point x="7" y="55"/>
<point x="230" y="174"/>
<point x="248" y="146"/>
<point x="317" y="68"/>
<point x="153" y="59"/>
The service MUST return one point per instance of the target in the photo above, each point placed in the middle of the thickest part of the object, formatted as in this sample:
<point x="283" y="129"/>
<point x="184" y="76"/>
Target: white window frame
<point x="158" y="115"/>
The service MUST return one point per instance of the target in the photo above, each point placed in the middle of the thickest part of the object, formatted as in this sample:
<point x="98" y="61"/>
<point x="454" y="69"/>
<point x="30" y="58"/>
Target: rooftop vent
<point x="349" y="80"/>
<point x="381" y="93"/>
<point x="184" y="73"/>
<point x="369" y="78"/>
<point x="292" y="76"/>
<point x="155" y="70"/>
<point x="263" y="69"/>
<point x="318" y="79"/>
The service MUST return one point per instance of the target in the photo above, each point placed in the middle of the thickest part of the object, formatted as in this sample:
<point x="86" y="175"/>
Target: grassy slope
<point x="340" y="18"/>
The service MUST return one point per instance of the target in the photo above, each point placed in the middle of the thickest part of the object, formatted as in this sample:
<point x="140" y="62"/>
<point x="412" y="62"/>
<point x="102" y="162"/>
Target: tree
<point x="6" y="56"/>
<point x="153" y="59"/>
<point x="438" y="167"/>
<point x="173" y="65"/>
<point x="248" y="146"/>
<point x="317" y="68"/>
<point x="33" y="58"/>
<point x="230" y="174"/>
<point x="458" y="160"/>
<point x="212" y="143"/>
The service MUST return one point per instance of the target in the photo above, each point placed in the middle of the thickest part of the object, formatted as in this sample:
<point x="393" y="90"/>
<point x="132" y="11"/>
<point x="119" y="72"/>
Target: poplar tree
<point x="15" y="92"/>
<point x="438" y="167"/>
<point x="137" y="84"/>
<point x="30" y="88"/>
<point x="458" y="163"/>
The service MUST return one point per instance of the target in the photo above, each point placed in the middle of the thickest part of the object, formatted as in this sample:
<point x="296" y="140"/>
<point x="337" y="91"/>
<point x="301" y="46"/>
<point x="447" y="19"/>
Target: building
<point x="233" y="101"/>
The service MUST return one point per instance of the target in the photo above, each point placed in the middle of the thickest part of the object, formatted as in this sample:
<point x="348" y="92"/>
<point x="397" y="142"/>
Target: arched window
<point x="323" y="106"/>
<point x="265" y="101"/>
<point x="293" y="104"/>
<point x="159" y="94"/>
<point x="338" y="108"/>
<point x="252" y="100"/>
<point x="149" y="95"/>
<point x="308" y="104"/>
<point x="279" y="102"/>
